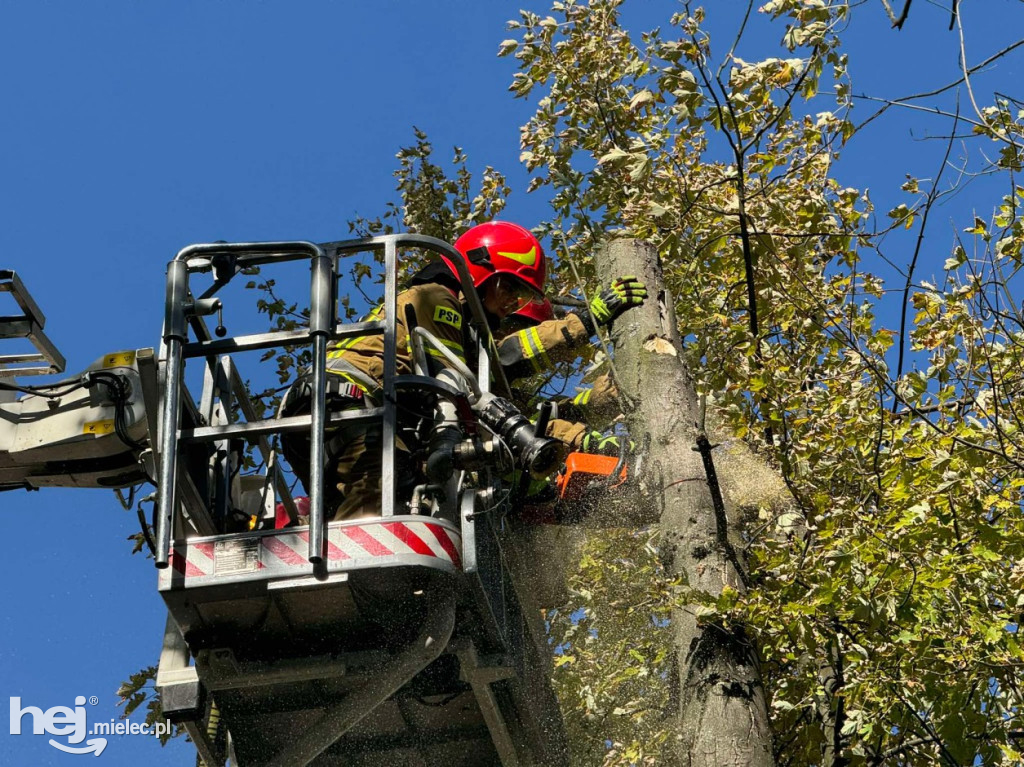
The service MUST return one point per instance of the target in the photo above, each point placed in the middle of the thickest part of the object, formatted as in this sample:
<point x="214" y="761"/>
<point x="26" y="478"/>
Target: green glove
<point x="624" y="293"/>
<point x="602" y="444"/>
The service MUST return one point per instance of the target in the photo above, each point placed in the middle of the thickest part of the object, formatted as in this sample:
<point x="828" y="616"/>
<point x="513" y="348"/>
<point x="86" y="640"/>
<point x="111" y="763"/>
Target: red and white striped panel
<point x="194" y="560"/>
<point x="401" y="540"/>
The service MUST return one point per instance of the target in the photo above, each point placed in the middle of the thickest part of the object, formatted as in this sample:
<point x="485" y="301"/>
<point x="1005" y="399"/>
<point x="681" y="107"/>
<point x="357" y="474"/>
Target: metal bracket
<point x="177" y="680"/>
<point x="222" y="671"/>
<point x="27" y="325"/>
<point x="481" y="672"/>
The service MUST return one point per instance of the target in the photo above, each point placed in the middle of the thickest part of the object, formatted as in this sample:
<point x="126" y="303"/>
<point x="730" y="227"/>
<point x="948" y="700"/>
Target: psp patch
<point x="448" y="316"/>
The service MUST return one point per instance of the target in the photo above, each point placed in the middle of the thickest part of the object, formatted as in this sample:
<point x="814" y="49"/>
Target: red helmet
<point x="500" y="247"/>
<point x="536" y="312"/>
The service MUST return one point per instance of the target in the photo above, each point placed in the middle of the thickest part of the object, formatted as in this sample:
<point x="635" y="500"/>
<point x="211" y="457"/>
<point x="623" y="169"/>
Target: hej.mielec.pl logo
<point x="62" y="721"/>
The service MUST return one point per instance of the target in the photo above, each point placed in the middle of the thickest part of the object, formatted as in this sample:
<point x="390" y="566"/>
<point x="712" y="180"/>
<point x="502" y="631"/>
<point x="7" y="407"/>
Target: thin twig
<point x="916" y="108"/>
<point x="963" y="65"/>
<point x="932" y="195"/>
<point x="736" y="42"/>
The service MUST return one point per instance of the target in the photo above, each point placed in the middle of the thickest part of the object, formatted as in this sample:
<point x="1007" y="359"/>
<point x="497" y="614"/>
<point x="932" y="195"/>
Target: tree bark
<point x="720" y="700"/>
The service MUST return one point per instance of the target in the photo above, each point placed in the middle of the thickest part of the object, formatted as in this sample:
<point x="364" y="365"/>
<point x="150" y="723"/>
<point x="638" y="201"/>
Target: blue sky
<point x="131" y="129"/>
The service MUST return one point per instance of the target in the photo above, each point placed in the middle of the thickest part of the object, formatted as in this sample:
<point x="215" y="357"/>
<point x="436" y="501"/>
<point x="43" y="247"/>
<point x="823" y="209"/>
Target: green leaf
<point x="612" y="157"/>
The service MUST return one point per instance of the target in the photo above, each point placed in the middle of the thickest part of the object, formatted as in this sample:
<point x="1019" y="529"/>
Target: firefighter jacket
<point x="534" y="350"/>
<point x="435" y="307"/>
<point x="594" y="404"/>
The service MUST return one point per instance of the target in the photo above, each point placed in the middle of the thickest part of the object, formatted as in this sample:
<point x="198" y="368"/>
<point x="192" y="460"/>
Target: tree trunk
<point x="722" y="715"/>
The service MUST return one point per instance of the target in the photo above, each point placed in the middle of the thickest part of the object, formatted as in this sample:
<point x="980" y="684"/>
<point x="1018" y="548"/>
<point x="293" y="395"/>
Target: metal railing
<point x="184" y="313"/>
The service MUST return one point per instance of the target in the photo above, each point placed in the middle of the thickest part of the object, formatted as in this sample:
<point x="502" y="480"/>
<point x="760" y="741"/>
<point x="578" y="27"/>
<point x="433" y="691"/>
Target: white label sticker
<point x="238" y="556"/>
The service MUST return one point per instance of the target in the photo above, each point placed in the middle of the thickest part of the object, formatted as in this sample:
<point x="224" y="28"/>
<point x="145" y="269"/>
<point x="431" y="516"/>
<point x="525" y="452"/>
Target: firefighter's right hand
<point x="623" y="294"/>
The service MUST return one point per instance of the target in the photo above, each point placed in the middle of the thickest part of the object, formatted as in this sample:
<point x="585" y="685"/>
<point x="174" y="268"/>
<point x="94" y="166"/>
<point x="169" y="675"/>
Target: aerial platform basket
<point x="394" y="640"/>
<point x="405" y="639"/>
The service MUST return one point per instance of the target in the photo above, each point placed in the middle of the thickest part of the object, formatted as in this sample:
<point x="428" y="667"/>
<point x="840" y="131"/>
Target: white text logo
<point x="61" y="721"/>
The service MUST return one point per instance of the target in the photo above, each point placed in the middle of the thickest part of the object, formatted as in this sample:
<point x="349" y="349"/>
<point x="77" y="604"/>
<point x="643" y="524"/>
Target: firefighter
<point x="508" y="268"/>
<point x="536" y="341"/>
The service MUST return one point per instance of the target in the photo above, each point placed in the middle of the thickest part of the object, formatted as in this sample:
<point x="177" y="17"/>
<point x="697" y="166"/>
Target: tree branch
<point x="898" y="23"/>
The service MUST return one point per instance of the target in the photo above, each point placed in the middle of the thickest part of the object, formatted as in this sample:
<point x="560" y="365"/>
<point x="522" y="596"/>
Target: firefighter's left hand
<point x="623" y="294"/>
<point x="603" y="444"/>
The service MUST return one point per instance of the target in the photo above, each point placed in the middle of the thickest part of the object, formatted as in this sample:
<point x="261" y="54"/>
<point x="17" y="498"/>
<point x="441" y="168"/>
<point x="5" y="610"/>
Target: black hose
<point x="42" y="390"/>
<point x="118" y="388"/>
<point x="145" y="528"/>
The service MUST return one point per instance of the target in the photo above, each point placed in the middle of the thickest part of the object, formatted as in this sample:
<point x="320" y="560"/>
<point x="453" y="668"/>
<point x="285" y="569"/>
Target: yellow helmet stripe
<point x="529" y="258"/>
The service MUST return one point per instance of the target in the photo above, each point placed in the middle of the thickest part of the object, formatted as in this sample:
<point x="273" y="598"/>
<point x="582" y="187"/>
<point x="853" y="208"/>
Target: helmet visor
<point x="512" y="291"/>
